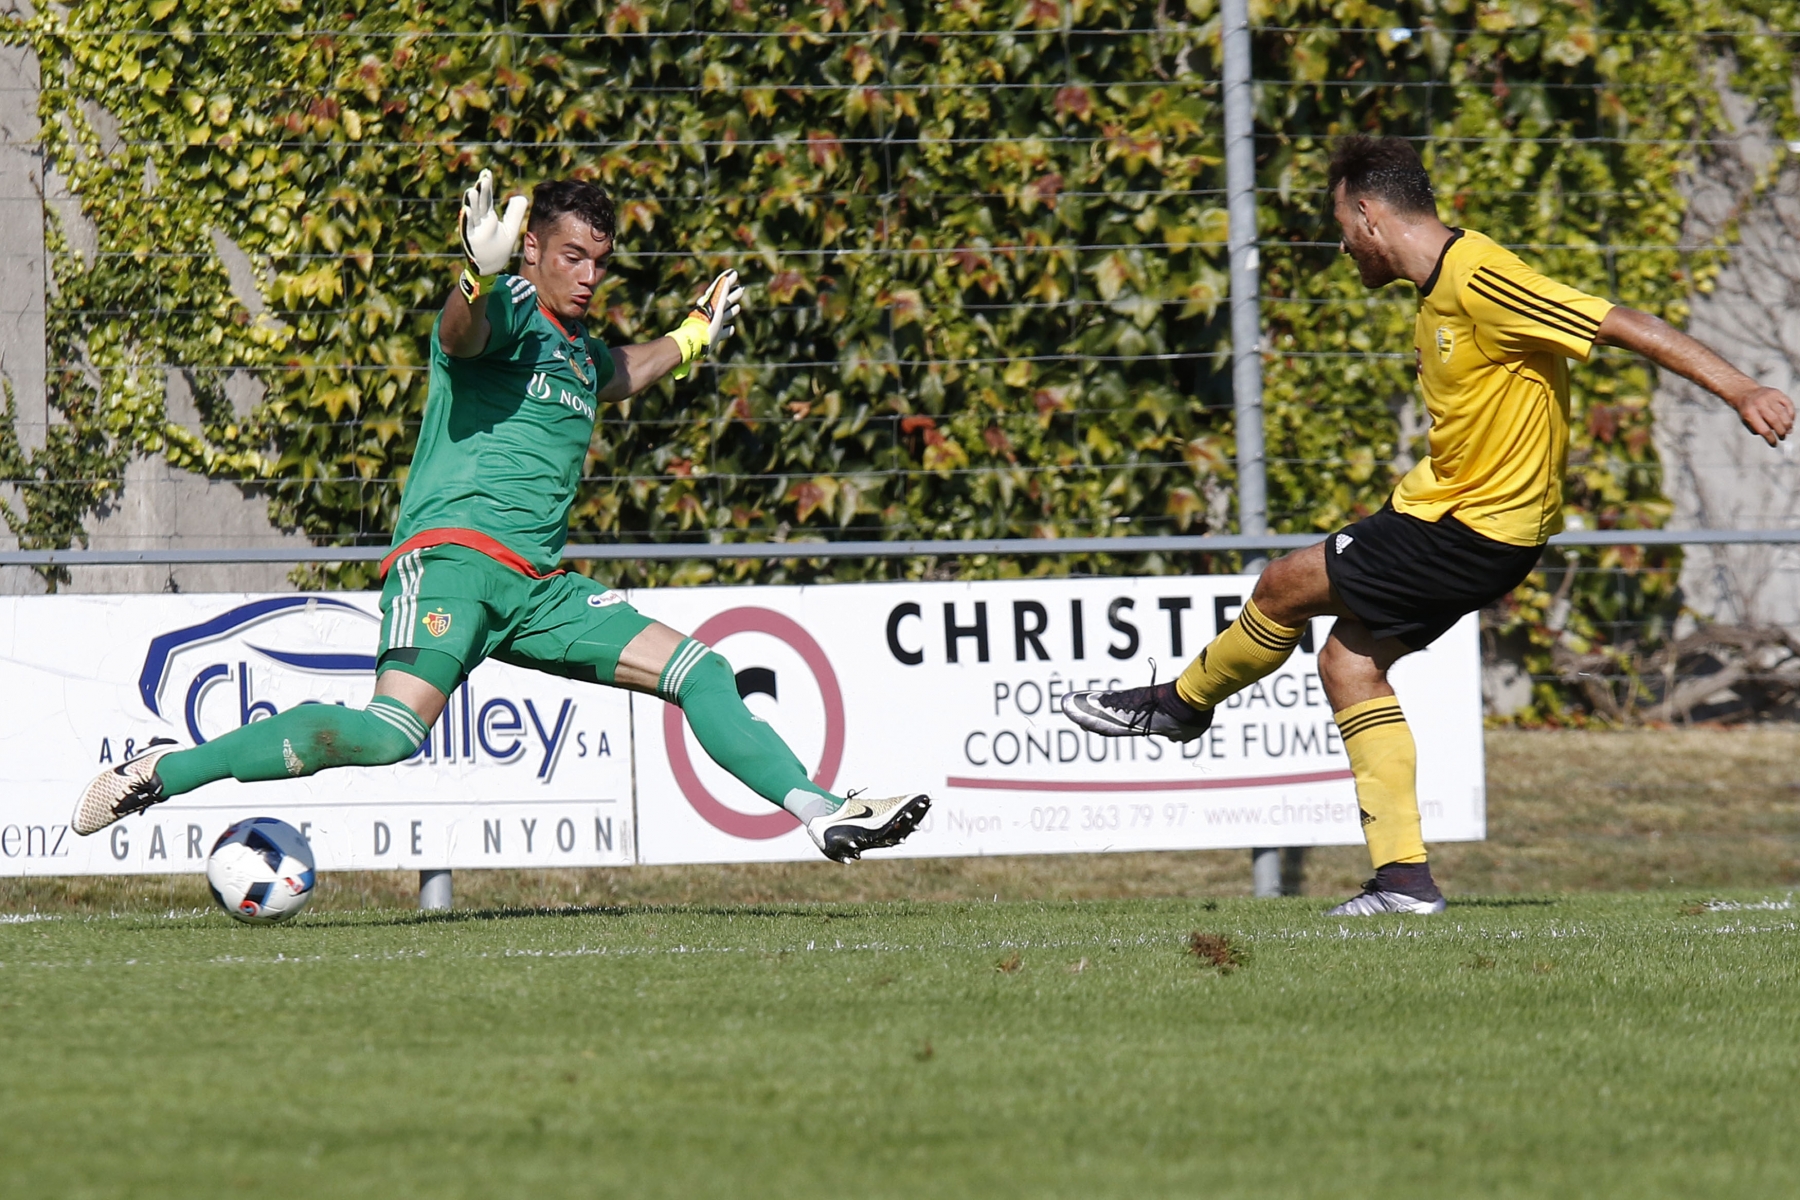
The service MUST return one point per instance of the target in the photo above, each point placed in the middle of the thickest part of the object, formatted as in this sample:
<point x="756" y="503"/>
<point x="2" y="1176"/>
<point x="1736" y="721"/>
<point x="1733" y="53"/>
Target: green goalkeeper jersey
<point x="505" y="435"/>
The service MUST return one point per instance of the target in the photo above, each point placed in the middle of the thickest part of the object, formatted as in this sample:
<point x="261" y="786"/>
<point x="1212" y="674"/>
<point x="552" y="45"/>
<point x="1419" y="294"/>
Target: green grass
<point x="1628" y="1046"/>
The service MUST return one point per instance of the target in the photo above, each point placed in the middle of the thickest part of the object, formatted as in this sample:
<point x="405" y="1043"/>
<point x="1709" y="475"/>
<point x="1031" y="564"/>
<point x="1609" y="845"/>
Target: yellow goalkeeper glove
<point x="710" y="321"/>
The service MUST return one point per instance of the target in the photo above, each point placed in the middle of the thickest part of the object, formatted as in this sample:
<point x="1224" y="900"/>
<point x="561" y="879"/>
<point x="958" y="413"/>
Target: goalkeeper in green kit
<point x="515" y="384"/>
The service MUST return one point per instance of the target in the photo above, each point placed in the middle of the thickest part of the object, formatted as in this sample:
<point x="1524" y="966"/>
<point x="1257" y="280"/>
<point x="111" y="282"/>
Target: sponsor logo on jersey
<point x="1446" y="342"/>
<point x="1343" y="541"/>
<point x="539" y="387"/>
<point x="437" y="623"/>
<point x="605" y="598"/>
<point x="580" y="405"/>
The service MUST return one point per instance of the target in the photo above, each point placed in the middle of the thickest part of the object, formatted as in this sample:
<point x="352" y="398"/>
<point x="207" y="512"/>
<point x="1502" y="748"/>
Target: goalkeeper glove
<point x="710" y="321"/>
<point x="487" y="239"/>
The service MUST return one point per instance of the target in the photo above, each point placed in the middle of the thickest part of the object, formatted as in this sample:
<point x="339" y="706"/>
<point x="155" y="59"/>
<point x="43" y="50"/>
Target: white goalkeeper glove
<point x="487" y="239"/>
<point x="710" y="321"/>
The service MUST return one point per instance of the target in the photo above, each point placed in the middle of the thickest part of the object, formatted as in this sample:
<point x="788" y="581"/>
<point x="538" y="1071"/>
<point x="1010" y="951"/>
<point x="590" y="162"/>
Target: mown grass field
<point x="1594" y="1046"/>
<point x="1612" y="1008"/>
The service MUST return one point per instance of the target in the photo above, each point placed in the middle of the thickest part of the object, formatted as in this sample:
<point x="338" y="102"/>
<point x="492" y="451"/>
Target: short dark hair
<point x="1385" y="168"/>
<point x="557" y="198"/>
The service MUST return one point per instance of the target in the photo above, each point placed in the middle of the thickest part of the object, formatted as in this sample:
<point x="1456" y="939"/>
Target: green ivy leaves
<point x="983" y="242"/>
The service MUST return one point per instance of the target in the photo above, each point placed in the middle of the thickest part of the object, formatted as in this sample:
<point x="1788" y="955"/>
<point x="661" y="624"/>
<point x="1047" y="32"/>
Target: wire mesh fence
<point x="986" y="257"/>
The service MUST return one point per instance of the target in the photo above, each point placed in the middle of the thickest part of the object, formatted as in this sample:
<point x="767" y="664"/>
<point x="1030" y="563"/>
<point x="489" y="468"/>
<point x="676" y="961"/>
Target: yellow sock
<point x="1251" y="646"/>
<point x="1387" y="765"/>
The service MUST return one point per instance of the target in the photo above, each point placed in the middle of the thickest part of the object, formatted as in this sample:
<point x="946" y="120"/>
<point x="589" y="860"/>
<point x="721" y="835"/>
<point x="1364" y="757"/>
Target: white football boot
<point x="128" y="788"/>
<point x="1373" y="901"/>
<point x="863" y="824"/>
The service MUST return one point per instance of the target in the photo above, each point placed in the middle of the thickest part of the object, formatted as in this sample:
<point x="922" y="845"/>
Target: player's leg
<point x="1406" y="582"/>
<point x="298" y="742"/>
<point x="579" y="629"/>
<point x="410" y="692"/>
<point x="700" y="680"/>
<point x="1353" y="666"/>
<point x="1290" y="592"/>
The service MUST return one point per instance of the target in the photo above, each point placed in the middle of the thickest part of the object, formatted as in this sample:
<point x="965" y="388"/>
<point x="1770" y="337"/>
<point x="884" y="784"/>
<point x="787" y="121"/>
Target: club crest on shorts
<point x="1446" y="342"/>
<point x="437" y="623"/>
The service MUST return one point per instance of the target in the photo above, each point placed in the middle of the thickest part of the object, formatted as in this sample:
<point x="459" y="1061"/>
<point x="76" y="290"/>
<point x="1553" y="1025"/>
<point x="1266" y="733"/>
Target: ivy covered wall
<point x="984" y="244"/>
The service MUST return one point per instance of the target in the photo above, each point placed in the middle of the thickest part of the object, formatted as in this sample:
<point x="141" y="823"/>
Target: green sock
<point x="704" y="685"/>
<point x="308" y="738"/>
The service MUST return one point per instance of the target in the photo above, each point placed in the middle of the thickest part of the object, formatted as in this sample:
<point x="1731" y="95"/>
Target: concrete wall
<point x="159" y="507"/>
<point x="1719" y="475"/>
<point x="21" y="273"/>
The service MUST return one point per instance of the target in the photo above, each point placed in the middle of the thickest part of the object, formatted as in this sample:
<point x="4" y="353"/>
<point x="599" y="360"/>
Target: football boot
<point x="128" y="788"/>
<point x="867" y="825"/>
<point x="1138" y="712"/>
<point x="1374" y="900"/>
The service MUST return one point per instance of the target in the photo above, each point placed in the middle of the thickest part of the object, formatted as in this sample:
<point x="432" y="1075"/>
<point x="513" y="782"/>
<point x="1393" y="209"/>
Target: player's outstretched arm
<point x="1764" y="411"/>
<point x="707" y="324"/>
<point x="488" y="240"/>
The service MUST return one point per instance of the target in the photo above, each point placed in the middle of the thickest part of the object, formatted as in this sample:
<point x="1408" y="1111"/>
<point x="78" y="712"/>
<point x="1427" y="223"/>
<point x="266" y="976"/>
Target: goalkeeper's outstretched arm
<point x="707" y="324"/>
<point x="488" y="239"/>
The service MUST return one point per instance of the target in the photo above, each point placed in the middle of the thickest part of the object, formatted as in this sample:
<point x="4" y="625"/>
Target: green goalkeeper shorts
<point x="465" y="607"/>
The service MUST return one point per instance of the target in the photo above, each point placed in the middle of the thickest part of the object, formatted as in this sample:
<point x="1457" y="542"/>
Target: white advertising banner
<point x="949" y="688"/>
<point x="523" y="770"/>
<point x="956" y="688"/>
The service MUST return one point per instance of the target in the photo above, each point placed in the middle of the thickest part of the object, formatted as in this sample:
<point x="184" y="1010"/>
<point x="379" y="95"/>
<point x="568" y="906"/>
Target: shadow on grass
<point x="361" y="919"/>
<point x="1504" y="902"/>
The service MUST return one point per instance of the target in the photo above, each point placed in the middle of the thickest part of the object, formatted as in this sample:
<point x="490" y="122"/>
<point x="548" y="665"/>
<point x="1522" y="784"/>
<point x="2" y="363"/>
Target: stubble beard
<point x="1374" y="272"/>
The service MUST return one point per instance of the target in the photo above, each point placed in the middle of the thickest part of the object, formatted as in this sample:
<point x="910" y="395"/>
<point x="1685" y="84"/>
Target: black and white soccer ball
<point x="261" y="870"/>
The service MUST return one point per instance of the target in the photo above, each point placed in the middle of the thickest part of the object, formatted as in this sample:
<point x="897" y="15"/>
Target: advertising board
<point x="522" y="770"/>
<point x="956" y="688"/>
<point x="949" y="688"/>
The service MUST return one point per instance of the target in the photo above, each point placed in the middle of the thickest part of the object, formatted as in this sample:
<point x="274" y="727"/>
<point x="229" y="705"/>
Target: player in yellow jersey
<point x="1462" y="529"/>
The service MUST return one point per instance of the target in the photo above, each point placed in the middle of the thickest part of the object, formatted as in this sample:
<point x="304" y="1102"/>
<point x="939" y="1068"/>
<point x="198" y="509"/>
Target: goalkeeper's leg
<point x="295" y="743"/>
<point x="687" y="673"/>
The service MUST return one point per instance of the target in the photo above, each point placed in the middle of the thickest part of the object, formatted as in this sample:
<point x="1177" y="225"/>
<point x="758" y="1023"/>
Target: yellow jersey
<point x="1493" y="340"/>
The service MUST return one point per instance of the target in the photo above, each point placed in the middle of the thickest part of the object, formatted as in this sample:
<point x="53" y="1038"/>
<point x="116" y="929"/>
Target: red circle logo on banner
<point x="720" y="816"/>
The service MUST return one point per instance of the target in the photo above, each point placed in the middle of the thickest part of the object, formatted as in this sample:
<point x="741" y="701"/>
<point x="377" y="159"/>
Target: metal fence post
<point x="1246" y="324"/>
<point x="1246" y="318"/>
<point x="1265" y="871"/>
<point x="434" y="891"/>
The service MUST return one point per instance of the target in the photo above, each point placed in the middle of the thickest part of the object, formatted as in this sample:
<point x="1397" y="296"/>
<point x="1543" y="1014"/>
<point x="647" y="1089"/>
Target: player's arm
<point x="1764" y="411"/>
<point x="708" y="324"/>
<point x="637" y="367"/>
<point x="488" y="240"/>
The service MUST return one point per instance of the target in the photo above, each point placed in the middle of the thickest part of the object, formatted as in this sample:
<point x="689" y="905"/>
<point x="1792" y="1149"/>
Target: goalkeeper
<point x="515" y="385"/>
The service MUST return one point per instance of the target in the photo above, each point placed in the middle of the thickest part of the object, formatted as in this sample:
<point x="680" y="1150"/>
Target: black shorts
<point x="1411" y="579"/>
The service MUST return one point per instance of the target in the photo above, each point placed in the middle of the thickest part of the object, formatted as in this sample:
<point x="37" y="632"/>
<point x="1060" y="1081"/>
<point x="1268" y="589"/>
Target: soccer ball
<point x="261" y="871"/>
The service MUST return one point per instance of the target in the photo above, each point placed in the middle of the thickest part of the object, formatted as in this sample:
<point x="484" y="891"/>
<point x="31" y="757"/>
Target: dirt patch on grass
<point x="1218" y="951"/>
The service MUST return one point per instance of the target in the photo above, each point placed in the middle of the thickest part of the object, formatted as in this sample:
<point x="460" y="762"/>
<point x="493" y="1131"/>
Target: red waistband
<point x="470" y="539"/>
